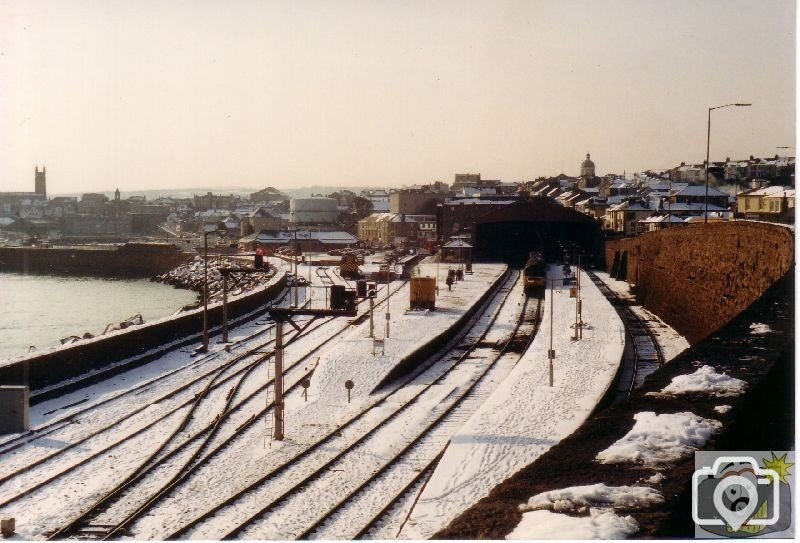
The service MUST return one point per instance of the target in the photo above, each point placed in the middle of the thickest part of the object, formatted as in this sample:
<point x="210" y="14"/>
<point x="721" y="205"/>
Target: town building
<point x="774" y="204"/>
<point x="414" y="202"/>
<point x="397" y="230"/>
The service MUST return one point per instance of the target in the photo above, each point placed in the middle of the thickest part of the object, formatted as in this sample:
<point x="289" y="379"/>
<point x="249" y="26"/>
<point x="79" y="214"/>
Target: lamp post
<point x="708" y="149"/>
<point x="220" y="231"/>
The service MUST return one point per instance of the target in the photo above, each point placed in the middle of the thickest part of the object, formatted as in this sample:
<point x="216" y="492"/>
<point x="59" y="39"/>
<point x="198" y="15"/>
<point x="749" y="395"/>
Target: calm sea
<point x="41" y="309"/>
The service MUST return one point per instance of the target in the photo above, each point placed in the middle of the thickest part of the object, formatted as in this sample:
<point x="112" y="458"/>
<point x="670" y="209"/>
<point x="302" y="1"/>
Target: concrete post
<point x="224" y="308"/>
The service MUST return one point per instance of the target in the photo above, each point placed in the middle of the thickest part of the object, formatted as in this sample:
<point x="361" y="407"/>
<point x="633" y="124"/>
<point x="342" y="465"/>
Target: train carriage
<point x="535" y="273"/>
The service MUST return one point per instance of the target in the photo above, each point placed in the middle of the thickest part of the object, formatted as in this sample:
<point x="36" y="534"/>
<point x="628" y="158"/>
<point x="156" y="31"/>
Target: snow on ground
<point x="722" y="409"/>
<point x="600" y="524"/>
<point x="351" y="357"/>
<point x="656" y="478"/>
<point x="542" y="518"/>
<point x="51" y="506"/>
<point x="705" y="380"/>
<point x="578" y="499"/>
<point x="525" y="417"/>
<point x="660" y="439"/>
<point x="758" y="328"/>
<point x="670" y="341"/>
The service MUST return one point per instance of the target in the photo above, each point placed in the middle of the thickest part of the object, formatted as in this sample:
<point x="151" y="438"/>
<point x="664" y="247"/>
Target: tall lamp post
<point x="708" y="149"/>
<point x="220" y="231"/>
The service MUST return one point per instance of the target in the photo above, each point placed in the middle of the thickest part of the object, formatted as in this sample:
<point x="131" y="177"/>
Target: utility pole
<point x="551" y="354"/>
<point x="387" y="300"/>
<point x="580" y="301"/>
<point x="281" y="316"/>
<point x="224" y="308"/>
<point x="278" y="430"/>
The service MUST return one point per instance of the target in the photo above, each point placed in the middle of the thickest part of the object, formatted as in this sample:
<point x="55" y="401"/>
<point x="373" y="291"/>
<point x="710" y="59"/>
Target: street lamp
<point x="708" y="149"/>
<point x="209" y="229"/>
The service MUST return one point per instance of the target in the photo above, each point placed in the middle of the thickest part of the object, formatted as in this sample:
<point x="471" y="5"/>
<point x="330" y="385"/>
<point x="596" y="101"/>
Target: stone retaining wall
<point x="698" y="277"/>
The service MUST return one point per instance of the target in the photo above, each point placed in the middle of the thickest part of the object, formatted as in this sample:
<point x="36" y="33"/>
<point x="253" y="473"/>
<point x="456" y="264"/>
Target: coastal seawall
<point x="128" y="260"/>
<point x="121" y="350"/>
<point x="699" y="277"/>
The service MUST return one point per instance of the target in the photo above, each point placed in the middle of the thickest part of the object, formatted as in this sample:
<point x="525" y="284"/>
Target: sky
<point x="143" y="94"/>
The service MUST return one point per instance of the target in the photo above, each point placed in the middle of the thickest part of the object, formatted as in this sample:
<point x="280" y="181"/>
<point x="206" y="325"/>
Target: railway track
<point x="129" y="395"/>
<point x="324" y="276"/>
<point x="642" y="355"/>
<point x="363" y="429"/>
<point x="187" y="397"/>
<point x="200" y="441"/>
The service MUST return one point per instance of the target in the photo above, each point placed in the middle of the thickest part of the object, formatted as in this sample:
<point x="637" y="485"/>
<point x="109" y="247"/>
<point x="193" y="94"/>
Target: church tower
<point x="587" y="167"/>
<point x="40" y="182"/>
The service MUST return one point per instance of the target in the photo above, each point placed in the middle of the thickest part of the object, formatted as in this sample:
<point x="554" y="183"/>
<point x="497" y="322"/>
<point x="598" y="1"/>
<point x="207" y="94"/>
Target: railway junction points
<point x="450" y="404"/>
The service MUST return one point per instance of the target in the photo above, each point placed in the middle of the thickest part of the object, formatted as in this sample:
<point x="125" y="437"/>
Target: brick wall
<point x="697" y="278"/>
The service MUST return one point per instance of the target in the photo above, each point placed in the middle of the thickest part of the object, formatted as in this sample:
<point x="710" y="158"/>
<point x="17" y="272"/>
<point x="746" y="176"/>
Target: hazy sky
<point x="157" y="94"/>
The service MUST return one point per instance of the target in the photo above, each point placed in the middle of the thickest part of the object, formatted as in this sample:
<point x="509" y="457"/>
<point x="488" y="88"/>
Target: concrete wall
<point x="138" y="344"/>
<point x="698" y="277"/>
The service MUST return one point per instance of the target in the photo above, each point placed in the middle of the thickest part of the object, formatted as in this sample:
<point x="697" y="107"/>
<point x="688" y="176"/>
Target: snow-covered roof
<point x="697" y="190"/>
<point x="775" y="191"/>
<point x="662" y="218"/>
<point x="284" y="236"/>
<point x="692" y="206"/>
<point x="477" y="201"/>
<point x="457" y="243"/>
<point x="629" y="206"/>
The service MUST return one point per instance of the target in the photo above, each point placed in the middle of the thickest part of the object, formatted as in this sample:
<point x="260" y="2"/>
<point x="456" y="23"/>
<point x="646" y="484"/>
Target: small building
<point x="457" y="250"/>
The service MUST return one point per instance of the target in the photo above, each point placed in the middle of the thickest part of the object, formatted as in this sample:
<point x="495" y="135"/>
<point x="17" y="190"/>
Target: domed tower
<point x="587" y="167"/>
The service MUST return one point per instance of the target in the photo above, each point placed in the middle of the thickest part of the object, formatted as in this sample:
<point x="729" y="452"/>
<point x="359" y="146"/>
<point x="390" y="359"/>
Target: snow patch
<point x="758" y="329"/>
<point x="600" y="524"/>
<point x="722" y="409"/>
<point x="705" y="380"/>
<point x="580" y="498"/>
<point x="659" y="439"/>
<point x="655" y="478"/>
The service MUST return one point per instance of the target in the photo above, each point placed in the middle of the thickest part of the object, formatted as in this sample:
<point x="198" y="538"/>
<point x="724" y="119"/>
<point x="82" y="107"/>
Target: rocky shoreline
<point x="190" y="276"/>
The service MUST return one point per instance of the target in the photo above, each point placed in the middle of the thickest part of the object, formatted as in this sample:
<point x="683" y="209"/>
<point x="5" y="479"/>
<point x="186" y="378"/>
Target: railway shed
<point x="509" y="234"/>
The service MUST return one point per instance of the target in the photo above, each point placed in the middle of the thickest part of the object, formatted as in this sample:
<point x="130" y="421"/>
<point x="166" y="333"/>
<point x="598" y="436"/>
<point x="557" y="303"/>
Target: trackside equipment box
<point x="14" y="402"/>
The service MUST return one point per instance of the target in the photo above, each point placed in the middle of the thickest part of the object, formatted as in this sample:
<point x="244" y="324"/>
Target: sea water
<point x="39" y="310"/>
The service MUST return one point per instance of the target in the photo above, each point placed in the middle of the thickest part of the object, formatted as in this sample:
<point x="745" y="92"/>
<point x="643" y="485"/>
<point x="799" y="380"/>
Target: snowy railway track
<point x="419" y="458"/>
<point x="644" y="356"/>
<point x="130" y="396"/>
<point x="324" y="276"/>
<point x="47" y="429"/>
<point x="363" y="429"/>
<point x="81" y="452"/>
<point x="103" y="527"/>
